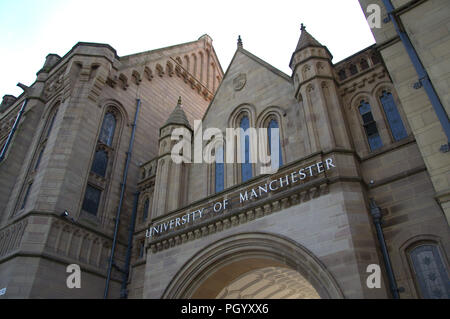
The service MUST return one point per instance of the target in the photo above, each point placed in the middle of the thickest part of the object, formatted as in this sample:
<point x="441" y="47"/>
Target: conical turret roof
<point x="178" y="117"/>
<point x="306" y="40"/>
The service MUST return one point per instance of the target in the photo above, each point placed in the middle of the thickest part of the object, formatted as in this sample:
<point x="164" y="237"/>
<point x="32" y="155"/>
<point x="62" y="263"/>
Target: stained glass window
<point x="246" y="166"/>
<point x="108" y="128"/>
<point x="91" y="199"/>
<point x="273" y="132"/>
<point x="370" y="126"/>
<point x="219" y="170"/>
<point x="431" y="273"/>
<point x="395" y="121"/>
<point x="100" y="163"/>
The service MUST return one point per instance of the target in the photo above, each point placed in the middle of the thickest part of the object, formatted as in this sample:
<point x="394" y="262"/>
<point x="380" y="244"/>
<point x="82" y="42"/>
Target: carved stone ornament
<point x="239" y="81"/>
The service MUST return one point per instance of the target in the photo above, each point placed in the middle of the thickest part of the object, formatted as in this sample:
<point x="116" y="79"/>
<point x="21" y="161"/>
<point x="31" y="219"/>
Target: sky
<point x="31" y="29"/>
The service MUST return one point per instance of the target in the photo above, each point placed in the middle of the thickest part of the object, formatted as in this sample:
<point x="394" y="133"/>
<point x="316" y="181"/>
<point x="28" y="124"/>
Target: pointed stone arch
<point x="217" y="265"/>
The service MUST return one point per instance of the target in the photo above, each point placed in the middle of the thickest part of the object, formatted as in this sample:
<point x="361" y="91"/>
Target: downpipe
<point x="13" y="130"/>
<point x="424" y="79"/>
<point x="375" y="211"/>
<point x="122" y="194"/>
<point x="126" y="273"/>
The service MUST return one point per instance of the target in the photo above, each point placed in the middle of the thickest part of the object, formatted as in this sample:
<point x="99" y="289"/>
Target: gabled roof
<point x="263" y="63"/>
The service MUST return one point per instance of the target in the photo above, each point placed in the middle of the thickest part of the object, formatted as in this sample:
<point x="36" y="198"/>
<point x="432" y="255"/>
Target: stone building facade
<point x="95" y="141"/>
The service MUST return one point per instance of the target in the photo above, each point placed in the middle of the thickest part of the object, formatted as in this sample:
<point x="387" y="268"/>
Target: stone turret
<point x="171" y="175"/>
<point x="7" y="101"/>
<point x="316" y="91"/>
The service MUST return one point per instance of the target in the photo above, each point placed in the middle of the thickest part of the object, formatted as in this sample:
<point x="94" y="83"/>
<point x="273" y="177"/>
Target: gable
<point x="249" y="81"/>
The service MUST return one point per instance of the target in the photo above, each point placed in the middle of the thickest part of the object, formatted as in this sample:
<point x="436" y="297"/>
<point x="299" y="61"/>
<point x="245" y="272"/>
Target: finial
<point x="179" y="100"/>
<point x="303" y="27"/>
<point x="239" y="42"/>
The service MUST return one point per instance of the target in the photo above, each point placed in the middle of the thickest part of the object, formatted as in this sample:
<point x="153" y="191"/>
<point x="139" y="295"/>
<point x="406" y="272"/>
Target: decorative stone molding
<point x="11" y="237"/>
<point x="68" y="240"/>
<point x="296" y="195"/>
<point x="54" y="84"/>
<point x="239" y="81"/>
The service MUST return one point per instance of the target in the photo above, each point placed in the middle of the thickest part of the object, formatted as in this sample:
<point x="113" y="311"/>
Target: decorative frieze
<point x="11" y="237"/>
<point x="68" y="240"/>
<point x="240" y="215"/>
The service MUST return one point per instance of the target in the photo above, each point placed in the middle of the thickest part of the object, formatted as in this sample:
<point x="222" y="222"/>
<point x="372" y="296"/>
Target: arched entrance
<point x="238" y="260"/>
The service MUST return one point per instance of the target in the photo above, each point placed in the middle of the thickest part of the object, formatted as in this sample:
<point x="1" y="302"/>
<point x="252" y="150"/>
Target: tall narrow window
<point x="108" y="128"/>
<point x="100" y="163"/>
<point x="370" y="126"/>
<point x="430" y="272"/>
<point x="395" y="121"/>
<point x="364" y="64"/>
<point x="38" y="160"/>
<point x="353" y="69"/>
<point x="141" y="248"/>
<point x="273" y="132"/>
<point x="25" y="198"/>
<point x="219" y="170"/>
<point x="146" y="209"/>
<point x="50" y="126"/>
<point x="342" y="75"/>
<point x="91" y="200"/>
<point x="246" y="166"/>
<point x="375" y="58"/>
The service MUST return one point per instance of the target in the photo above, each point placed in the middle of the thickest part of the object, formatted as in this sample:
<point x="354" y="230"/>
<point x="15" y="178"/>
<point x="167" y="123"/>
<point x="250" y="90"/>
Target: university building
<point x="362" y="188"/>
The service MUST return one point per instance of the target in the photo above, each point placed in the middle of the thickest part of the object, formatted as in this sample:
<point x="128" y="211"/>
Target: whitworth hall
<point x="357" y="183"/>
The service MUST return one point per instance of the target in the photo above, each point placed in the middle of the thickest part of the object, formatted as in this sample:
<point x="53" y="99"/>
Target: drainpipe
<point x="13" y="130"/>
<point x="123" y="290"/>
<point x="122" y="193"/>
<point x="424" y="79"/>
<point x="375" y="211"/>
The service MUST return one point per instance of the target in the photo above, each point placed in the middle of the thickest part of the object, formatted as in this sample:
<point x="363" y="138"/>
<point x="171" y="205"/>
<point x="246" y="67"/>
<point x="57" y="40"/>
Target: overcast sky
<point x="30" y="29"/>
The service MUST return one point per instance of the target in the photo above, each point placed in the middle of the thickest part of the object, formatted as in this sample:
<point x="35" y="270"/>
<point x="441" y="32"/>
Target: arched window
<point x="342" y="75"/>
<point x="273" y="132"/>
<point x="246" y="166"/>
<point x="50" y="126"/>
<point x="38" y="160"/>
<point x="375" y="58"/>
<point x="146" y="209"/>
<point x="100" y="162"/>
<point x="364" y="64"/>
<point x="370" y="126"/>
<point x="395" y="121"/>
<point x="25" y="197"/>
<point x="430" y="272"/>
<point x="108" y="128"/>
<point x="219" y="170"/>
<point x="353" y="69"/>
